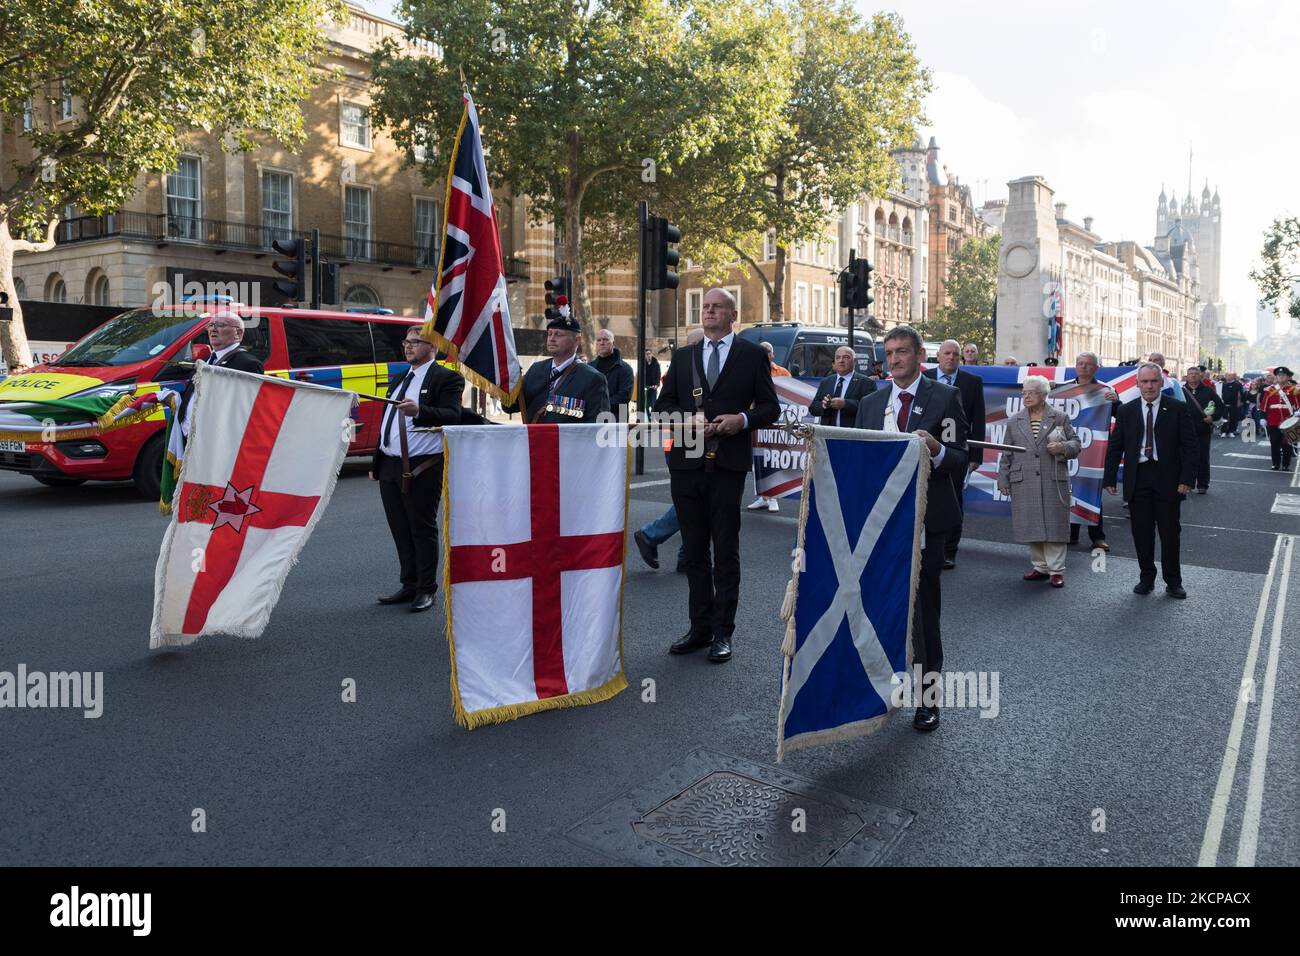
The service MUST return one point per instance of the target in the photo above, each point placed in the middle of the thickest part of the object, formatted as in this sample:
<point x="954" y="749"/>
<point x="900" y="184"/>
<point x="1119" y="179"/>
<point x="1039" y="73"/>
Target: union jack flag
<point x="466" y="312"/>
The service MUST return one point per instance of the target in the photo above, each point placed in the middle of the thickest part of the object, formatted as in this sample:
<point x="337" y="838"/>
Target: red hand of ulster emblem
<point x="233" y="507"/>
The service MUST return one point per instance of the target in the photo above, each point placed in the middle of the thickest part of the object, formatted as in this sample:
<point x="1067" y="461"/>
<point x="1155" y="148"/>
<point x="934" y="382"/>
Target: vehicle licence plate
<point x="12" y="446"/>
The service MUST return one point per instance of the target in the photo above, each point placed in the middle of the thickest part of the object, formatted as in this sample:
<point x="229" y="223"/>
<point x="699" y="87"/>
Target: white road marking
<point x="649" y="484"/>
<point x="1228" y="769"/>
<point x="1249" y="840"/>
<point x="1233" y="454"/>
<point x="1286" y="504"/>
<point x="1242" y="468"/>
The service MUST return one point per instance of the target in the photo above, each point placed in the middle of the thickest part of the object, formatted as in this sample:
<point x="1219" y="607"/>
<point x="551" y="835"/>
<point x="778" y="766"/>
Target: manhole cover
<point x="713" y="809"/>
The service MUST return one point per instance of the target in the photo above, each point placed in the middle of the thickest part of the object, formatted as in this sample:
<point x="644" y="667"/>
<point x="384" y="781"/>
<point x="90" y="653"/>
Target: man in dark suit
<point x="971" y="387"/>
<point x="836" y="401"/>
<point x="1203" y="406"/>
<point x="1154" y="438"/>
<point x="619" y="378"/>
<point x="561" y="390"/>
<point x="724" y="386"/>
<point x="225" y="333"/>
<point x="409" y="471"/>
<point x="932" y="410"/>
<point x="1234" y="403"/>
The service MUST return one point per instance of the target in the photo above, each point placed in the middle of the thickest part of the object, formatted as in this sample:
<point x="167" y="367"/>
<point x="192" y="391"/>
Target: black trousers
<point x="953" y="537"/>
<point x="413" y="519"/>
<point x="1149" y="510"/>
<point x="708" y="507"/>
<point x="927" y="644"/>
<point x="1203" y="440"/>
<point x="1232" y="421"/>
<point x="1279" y="447"/>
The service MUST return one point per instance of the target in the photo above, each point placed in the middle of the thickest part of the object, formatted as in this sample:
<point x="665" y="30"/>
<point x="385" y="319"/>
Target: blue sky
<point x="1104" y="101"/>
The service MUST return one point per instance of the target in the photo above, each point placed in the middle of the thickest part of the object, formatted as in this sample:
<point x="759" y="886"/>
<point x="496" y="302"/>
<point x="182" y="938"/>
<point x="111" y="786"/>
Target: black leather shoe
<point x="926" y="719"/>
<point x="1143" y="588"/>
<point x="423" y="601"/>
<point x="690" y="643"/>
<point x="1174" y="591"/>
<point x="649" y="553"/>
<point x="720" y="650"/>
<point x="399" y="597"/>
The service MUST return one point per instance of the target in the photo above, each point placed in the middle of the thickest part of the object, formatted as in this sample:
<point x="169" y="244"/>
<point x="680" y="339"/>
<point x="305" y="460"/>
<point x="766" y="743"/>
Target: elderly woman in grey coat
<point x="1038" y="480"/>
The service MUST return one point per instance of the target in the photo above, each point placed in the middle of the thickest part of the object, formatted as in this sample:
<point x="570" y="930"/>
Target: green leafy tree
<point x="588" y="106"/>
<point x="856" y="93"/>
<point x="973" y="288"/>
<point x="141" y="73"/>
<point x="1280" y="269"/>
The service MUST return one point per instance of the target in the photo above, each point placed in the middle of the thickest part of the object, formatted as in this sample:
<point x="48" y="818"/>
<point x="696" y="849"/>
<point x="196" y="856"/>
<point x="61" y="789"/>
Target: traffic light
<point x="557" y="297"/>
<point x="855" y="285"/>
<point x="294" y="269"/>
<point x="329" y="283"/>
<point x="661" y="261"/>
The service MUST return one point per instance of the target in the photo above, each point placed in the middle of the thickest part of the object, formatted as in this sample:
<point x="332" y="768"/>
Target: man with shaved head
<point x="971" y="387"/>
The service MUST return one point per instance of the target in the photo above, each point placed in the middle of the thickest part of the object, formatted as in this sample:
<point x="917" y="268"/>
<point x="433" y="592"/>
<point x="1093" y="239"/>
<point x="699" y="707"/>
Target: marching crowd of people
<point x="724" y="383"/>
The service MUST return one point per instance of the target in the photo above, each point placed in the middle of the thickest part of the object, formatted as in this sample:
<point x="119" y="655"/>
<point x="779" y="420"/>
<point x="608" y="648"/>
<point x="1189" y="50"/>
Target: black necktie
<point x="392" y="409"/>
<point x="1149" y="450"/>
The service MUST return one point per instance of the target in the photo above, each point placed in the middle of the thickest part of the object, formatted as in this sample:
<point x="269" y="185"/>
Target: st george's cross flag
<point x="260" y="466"/>
<point x="535" y="522"/>
<point x="849" y="633"/>
<point x="466" y="312"/>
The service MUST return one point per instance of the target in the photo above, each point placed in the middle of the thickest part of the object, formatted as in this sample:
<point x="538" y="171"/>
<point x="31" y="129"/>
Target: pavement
<point x="1115" y="711"/>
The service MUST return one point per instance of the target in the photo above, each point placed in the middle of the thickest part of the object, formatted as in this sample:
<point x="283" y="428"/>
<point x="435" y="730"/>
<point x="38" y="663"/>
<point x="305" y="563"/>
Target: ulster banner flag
<point x="467" y="313"/>
<point x="534" y="524"/>
<point x="260" y="466"/>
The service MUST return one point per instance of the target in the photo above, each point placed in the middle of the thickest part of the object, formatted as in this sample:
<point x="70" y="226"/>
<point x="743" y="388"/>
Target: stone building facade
<point x="213" y="218"/>
<point x="1121" y="300"/>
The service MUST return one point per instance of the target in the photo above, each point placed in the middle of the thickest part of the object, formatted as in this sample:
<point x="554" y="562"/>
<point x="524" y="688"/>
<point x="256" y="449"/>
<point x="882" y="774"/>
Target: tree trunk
<point x="580" y="302"/>
<point x="13" y="336"/>
<point x="777" y="295"/>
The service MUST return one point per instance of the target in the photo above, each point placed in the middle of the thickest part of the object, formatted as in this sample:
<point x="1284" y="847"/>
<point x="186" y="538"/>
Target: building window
<point x="277" y="206"/>
<point x="184" y="206"/>
<point x="55" y="289"/>
<point x="65" y="101"/>
<point x="69" y="227"/>
<point x="356" y="221"/>
<point x="28" y="115"/>
<point x="735" y="294"/>
<point x="423" y="146"/>
<point x="801" y="302"/>
<point x="427" y="225"/>
<point x="952" y="213"/>
<point x="100" y="293"/>
<point x="361" y="295"/>
<point x="20" y="289"/>
<point x="694" y="302"/>
<point x="818" y="305"/>
<point x="355" y="126"/>
<point x="769" y="246"/>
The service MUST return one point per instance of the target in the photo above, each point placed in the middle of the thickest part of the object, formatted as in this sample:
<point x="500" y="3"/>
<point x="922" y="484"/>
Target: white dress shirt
<point x="417" y="442"/>
<point x="1155" y="414"/>
<point x="896" y="406"/>
<point x="840" y="390"/>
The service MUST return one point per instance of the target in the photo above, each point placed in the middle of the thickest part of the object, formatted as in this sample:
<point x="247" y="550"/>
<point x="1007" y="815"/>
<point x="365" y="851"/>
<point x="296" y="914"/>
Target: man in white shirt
<point x="410" y="477"/>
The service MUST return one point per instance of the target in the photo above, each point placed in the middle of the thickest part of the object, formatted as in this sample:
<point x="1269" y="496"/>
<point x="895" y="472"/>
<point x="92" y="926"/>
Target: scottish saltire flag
<point x="849" y="632"/>
<point x="534" y="529"/>
<point x="466" y="312"/>
<point x="260" y="466"/>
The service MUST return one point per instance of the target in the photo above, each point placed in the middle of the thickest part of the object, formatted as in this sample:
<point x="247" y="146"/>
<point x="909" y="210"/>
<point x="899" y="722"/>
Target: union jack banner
<point x="466" y="312"/>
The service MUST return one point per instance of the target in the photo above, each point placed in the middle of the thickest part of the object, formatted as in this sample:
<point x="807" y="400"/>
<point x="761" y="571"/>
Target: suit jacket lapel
<point x="923" y="389"/>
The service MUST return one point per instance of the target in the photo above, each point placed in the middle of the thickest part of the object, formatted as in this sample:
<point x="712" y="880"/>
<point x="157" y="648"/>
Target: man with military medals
<point x="562" y="390"/>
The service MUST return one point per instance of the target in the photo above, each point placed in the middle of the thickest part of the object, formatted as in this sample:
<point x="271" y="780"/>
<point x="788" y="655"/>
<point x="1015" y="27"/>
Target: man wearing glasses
<point x="225" y="333"/>
<point x="410" y="472"/>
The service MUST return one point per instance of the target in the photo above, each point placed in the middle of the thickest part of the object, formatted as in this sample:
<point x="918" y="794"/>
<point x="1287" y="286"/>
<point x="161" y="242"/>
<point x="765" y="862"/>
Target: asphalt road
<point x="1114" y="709"/>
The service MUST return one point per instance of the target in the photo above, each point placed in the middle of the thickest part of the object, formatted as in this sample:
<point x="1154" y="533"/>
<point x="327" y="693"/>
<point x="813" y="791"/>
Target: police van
<point x="808" y="352"/>
<point x="144" y="350"/>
